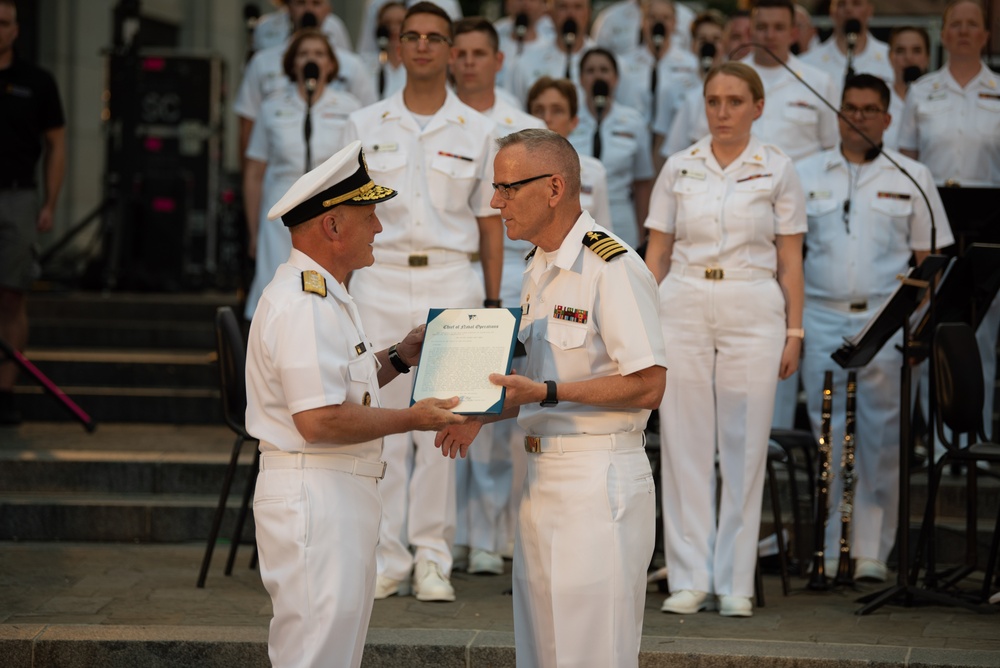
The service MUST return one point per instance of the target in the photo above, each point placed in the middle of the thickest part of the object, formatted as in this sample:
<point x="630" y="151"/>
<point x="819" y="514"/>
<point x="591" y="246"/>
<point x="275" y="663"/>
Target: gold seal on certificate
<point x="462" y="347"/>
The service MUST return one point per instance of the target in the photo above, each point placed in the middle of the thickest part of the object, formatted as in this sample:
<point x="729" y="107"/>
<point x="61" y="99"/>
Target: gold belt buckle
<point x="859" y="306"/>
<point x="532" y="444"/>
<point x="714" y="273"/>
<point x="418" y="261"/>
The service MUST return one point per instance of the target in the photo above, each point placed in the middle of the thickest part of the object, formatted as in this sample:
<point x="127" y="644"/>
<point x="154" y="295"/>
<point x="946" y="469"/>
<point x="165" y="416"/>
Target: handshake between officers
<point x="313" y="401"/>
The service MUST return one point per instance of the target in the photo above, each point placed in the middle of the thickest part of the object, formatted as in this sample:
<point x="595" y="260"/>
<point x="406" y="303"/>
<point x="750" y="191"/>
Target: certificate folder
<point x="462" y="347"/>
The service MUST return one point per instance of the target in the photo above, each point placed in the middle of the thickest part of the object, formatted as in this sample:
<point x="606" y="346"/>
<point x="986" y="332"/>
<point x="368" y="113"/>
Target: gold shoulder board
<point x="604" y="245"/>
<point x="313" y="282"/>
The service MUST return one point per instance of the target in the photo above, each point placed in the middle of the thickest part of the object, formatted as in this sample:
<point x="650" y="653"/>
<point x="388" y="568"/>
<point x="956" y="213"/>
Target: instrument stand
<point x="78" y="413"/>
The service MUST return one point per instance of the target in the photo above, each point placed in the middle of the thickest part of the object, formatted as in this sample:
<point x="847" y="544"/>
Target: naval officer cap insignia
<point x="606" y="246"/>
<point x="342" y="179"/>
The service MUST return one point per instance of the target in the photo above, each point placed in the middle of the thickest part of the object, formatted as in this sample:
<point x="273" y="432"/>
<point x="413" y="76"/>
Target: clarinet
<point x="845" y="571"/>
<point x="818" y="581"/>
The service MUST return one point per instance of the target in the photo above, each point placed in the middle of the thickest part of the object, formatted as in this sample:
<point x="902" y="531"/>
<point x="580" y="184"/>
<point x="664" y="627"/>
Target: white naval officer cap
<point x="342" y="179"/>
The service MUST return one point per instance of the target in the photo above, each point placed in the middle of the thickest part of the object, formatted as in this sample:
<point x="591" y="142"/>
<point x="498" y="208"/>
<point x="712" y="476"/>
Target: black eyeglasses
<point x="435" y="39"/>
<point x="864" y="112"/>
<point x="508" y="190"/>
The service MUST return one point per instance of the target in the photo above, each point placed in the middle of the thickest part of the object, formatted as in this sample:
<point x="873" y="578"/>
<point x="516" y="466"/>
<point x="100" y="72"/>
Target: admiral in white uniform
<point x="726" y="222"/>
<point x="595" y="369"/>
<point x="313" y="382"/>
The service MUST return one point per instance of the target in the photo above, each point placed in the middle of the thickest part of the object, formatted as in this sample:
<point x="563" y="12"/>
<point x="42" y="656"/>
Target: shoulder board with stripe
<point x="530" y="254"/>
<point x="606" y="247"/>
<point x="313" y="282"/>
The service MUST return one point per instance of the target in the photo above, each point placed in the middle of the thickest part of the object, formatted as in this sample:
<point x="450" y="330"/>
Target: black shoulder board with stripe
<point x="530" y="254"/>
<point x="606" y="247"/>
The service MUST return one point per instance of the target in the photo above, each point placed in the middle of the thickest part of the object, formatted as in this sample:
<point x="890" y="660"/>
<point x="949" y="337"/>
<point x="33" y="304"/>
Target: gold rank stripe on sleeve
<point x="313" y="282"/>
<point x="606" y="247"/>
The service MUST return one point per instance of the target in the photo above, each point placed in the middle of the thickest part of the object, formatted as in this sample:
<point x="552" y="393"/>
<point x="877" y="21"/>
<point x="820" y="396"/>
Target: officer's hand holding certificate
<point x="462" y="347"/>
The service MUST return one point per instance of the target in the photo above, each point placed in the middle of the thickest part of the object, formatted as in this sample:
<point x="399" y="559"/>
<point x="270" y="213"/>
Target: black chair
<point x="232" y="383"/>
<point x="801" y="449"/>
<point x="958" y="375"/>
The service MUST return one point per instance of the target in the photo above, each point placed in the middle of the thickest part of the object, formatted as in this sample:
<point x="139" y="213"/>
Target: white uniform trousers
<point x="584" y="541"/>
<point x="316" y="536"/>
<point x="724" y="342"/>
<point x="418" y="491"/>
<point x="876" y="456"/>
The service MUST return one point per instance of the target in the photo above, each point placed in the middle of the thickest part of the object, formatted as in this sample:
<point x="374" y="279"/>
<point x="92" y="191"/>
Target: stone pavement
<point x="94" y="604"/>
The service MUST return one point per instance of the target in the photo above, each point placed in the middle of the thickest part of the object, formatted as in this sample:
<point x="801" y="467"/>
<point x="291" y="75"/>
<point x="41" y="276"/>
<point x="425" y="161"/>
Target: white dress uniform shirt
<point x="726" y="338"/>
<point x="617" y="26"/>
<point x="369" y="22"/>
<point x="625" y="154"/>
<point x="563" y="614"/>
<point x="794" y="120"/>
<point x="277" y="139"/>
<point x="274" y="29"/>
<point x="890" y="138"/>
<point x="955" y="129"/>
<point x="316" y="528"/>
<point x="686" y="201"/>
<point x="543" y="58"/>
<point x="676" y="74"/>
<point x="509" y="118"/>
<point x="873" y="60"/>
<point x="544" y="31"/>
<point x="264" y="77"/>
<point x="850" y="269"/>
<point x="442" y="172"/>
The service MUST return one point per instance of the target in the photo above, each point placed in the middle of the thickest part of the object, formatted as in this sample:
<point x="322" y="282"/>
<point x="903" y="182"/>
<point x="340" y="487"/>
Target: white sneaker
<point x="735" y="606"/>
<point x="429" y="584"/>
<point x="481" y="561"/>
<point x="688" y="602"/>
<point x="871" y="570"/>
<point x="386" y="587"/>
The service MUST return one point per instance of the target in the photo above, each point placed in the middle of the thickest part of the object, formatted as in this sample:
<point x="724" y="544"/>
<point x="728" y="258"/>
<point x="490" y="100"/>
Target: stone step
<point x="120" y="306"/>
<point x="126" y="368"/>
<point x="168" y="405"/>
<point x="125" y="332"/>
<point x="133" y="518"/>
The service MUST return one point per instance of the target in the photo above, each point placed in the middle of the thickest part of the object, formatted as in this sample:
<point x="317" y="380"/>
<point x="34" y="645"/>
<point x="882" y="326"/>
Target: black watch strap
<point x="550" y="394"/>
<point x="397" y="362"/>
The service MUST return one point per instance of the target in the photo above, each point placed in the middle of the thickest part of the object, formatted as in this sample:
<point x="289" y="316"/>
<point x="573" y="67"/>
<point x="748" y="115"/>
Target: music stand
<point x="857" y="352"/>
<point x="973" y="215"/>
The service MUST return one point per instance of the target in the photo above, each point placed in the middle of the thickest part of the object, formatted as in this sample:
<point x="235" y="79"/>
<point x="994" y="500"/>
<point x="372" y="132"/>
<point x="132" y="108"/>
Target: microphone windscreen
<point x="911" y="74"/>
<point x="251" y="11"/>
<point x="852" y="27"/>
<point x="521" y="24"/>
<point x="569" y="28"/>
<point x="707" y="51"/>
<point x="308" y="20"/>
<point x="310" y="71"/>
<point x="600" y="88"/>
<point x="659" y="32"/>
<point x="382" y="36"/>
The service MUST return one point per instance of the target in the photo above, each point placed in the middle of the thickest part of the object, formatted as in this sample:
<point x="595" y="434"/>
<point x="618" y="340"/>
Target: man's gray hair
<point x="552" y="149"/>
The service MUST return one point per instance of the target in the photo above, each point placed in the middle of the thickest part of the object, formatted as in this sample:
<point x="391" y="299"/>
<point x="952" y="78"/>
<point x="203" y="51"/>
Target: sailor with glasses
<point x="437" y="152"/>
<point x="594" y="370"/>
<point x="865" y="221"/>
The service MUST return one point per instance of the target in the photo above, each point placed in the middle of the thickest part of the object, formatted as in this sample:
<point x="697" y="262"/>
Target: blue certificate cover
<point x="462" y="347"/>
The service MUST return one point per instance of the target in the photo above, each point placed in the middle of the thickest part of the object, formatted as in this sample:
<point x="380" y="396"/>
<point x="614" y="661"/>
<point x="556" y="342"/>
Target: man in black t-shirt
<point x="31" y="126"/>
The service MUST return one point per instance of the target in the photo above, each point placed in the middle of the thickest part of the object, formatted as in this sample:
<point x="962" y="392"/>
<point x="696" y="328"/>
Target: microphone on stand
<point x="310" y="76"/>
<point x="308" y="20"/>
<point x="382" y="39"/>
<point x="852" y="27"/>
<point x="600" y="91"/>
<point x="520" y="30"/>
<point x="569" y="29"/>
<point x="659" y="36"/>
<point x="911" y="74"/>
<point x="706" y="56"/>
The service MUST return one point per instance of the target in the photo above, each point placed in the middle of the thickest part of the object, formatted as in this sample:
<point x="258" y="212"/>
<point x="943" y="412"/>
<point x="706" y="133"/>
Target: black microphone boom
<point x="251" y="13"/>
<point x="310" y="75"/>
<point x="852" y="29"/>
<point x="308" y="20"/>
<point x="707" y="56"/>
<point x="659" y="35"/>
<point x="569" y="29"/>
<point x="911" y="74"/>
